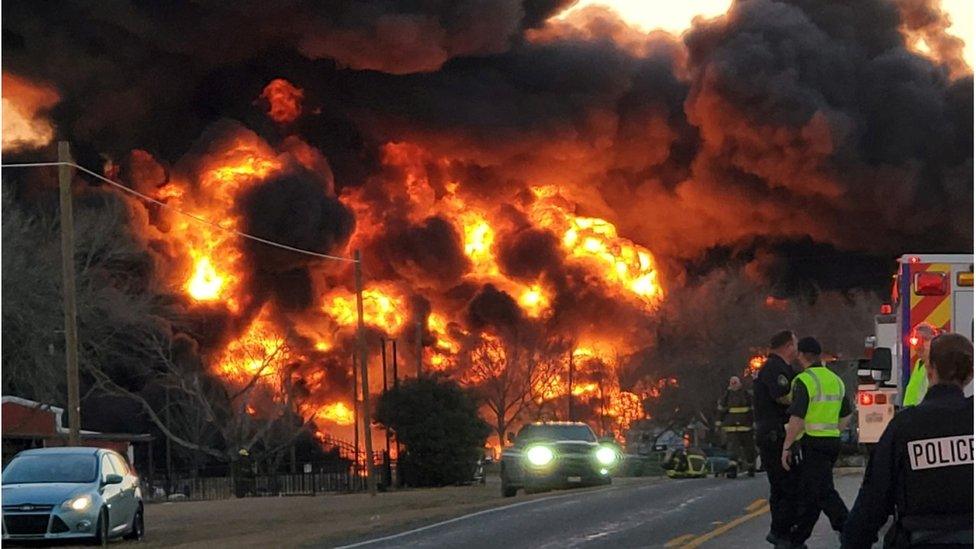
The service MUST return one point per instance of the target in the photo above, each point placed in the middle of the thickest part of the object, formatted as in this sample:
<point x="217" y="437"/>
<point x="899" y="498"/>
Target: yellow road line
<point x="679" y="540"/>
<point x="696" y="542"/>
<point x="756" y="505"/>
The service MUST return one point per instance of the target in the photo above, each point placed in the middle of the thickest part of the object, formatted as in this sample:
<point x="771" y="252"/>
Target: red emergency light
<point x="886" y="308"/>
<point x="866" y="399"/>
<point x="913" y="341"/>
<point x="914" y="259"/>
<point x="931" y="283"/>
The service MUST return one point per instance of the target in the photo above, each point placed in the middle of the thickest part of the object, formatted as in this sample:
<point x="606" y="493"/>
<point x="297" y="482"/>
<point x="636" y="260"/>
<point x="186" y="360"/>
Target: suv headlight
<point x="79" y="503"/>
<point x="606" y="455"/>
<point x="539" y="455"/>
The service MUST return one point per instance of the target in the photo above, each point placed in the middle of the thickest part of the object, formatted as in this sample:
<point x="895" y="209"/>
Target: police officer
<point x="918" y="382"/>
<point x="922" y="468"/>
<point x="735" y="413"/>
<point x="818" y="413"/>
<point x="771" y="399"/>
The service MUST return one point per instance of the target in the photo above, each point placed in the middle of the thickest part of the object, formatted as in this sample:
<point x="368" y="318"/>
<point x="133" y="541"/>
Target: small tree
<point x="437" y="422"/>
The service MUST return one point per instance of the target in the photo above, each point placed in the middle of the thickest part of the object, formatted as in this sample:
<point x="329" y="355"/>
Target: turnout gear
<point x="921" y="471"/>
<point x="735" y="413"/>
<point x="683" y="463"/>
<point x="918" y="384"/>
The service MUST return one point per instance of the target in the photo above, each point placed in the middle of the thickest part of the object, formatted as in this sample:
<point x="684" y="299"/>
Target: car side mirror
<point x="881" y="359"/>
<point x="112" y="479"/>
<point x="510" y="437"/>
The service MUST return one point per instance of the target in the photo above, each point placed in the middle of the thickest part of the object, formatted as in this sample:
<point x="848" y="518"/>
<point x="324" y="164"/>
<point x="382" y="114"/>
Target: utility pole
<point x="68" y="291"/>
<point x="169" y="450"/>
<point x="420" y="349"/>
<point x="569" y="394"/>
<point x="396" y="374"/>
<point x="387" y="430"/>
<point x="364" y="369"/>
<point x="355" y="409"/>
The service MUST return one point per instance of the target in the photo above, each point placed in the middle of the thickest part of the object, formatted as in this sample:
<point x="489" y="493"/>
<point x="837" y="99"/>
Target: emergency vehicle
<point x="937" y="289"/>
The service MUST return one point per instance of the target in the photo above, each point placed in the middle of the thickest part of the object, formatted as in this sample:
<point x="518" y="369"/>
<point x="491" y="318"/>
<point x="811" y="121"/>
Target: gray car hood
<point x="53" y="493"/>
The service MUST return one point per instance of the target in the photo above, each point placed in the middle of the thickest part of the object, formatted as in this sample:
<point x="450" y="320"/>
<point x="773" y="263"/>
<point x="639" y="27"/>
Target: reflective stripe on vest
<point x="918" y="385"/>
<point x="825" y="392"/>
<point x="739" y="409"/>
<point x="736" y="428"/>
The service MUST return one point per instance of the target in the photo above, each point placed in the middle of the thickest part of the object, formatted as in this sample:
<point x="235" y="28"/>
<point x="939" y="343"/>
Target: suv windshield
<point x="556" y="432"/>
<point x="51" y="468"/>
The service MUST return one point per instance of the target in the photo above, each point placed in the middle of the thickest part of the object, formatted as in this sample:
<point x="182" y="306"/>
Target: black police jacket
<point x="921" y="470"/>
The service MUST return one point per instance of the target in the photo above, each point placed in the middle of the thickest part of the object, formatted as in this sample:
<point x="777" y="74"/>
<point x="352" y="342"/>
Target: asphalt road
<point x="712" y="512"/>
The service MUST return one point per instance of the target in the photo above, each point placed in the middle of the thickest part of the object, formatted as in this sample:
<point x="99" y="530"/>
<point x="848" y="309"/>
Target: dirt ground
<point x="318" y="521"/>
<point x="303" y="520"/>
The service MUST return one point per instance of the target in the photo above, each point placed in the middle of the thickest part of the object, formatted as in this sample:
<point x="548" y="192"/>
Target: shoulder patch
<point x="783" y="382"/>
<point x="940" y="452"/>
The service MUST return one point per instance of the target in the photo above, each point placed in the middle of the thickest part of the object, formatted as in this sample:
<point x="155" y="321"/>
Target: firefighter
<point x="819" y="411"/>
<point x="771" y="399"/>
<point x="918" y="382"/>
<point x="921" y="470"/>
<point x="735" y="413"/>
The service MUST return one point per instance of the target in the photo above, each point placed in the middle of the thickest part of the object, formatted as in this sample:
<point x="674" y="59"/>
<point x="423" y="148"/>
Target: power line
<point x="134" y="192"/>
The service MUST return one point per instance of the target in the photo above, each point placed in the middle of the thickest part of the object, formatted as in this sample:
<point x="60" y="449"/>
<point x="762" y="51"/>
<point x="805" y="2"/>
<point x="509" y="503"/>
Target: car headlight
<point x="539" y="455"/>
<point x="606" y="455"/>
<point x="79" y="503"/>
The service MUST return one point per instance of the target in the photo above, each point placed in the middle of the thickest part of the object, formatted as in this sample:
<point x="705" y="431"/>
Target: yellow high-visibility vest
<point x="825" y="391"/>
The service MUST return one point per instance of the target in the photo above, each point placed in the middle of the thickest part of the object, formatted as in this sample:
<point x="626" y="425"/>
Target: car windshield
<point x="557" y="432"/>
<point x="51" y="468"/>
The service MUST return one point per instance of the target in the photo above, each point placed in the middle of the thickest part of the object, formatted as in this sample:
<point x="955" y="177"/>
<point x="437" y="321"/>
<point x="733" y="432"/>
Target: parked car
<point x="71" y="493"/>
<point x="556" y="455"/>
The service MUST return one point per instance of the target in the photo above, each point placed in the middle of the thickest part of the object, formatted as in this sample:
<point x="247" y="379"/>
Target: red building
<point x="29" y="424"/>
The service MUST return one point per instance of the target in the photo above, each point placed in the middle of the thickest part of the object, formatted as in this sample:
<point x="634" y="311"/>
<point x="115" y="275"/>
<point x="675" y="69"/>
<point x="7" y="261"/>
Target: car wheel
<point x="101" y="529"/>
<point x="138" y="530"/>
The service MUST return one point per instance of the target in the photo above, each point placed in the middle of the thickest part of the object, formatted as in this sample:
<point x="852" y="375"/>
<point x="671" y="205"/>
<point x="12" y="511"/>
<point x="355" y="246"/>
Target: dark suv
<point x="556" y="455"/>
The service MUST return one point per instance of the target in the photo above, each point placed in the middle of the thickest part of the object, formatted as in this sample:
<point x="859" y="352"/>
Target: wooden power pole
<point x="364" y="377"/>
<point x="569" y="394"/>
<point x="420" y="350"/>
<point x="68" y="291"/>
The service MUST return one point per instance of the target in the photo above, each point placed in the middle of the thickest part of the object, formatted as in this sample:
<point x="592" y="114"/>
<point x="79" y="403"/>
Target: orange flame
<point x="382" y="309"/>
<point x="260" y="351"/>
<point x="338" y="413"/>
<point x="284" y="100"/>
<point x="25" y="103"/>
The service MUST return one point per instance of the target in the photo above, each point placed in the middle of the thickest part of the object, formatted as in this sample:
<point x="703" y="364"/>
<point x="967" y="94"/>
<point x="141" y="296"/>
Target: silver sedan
<point x="70" y="493"/>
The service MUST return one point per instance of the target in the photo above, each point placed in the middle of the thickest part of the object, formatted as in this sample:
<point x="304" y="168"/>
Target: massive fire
<point x="25" y="124"/>
<point x="211" y="267"/>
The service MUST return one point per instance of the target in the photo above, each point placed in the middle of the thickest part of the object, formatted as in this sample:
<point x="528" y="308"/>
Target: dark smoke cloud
<point x="780" y="121"/>
<point x="529" y="253"/>
<point x="428" y="254"/>
<point x="295" y="210"/>
<point x="493" y="308"/>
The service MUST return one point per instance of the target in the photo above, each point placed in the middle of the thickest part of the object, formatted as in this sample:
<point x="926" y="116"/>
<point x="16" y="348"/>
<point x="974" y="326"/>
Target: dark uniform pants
<point x="816" y="490"/>
<point x="743" y="447"/>
<point x="782" y="485"/>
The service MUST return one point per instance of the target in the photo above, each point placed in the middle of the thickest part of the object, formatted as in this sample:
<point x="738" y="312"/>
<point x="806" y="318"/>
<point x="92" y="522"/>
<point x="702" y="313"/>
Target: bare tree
<point x="707" y="332"/>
